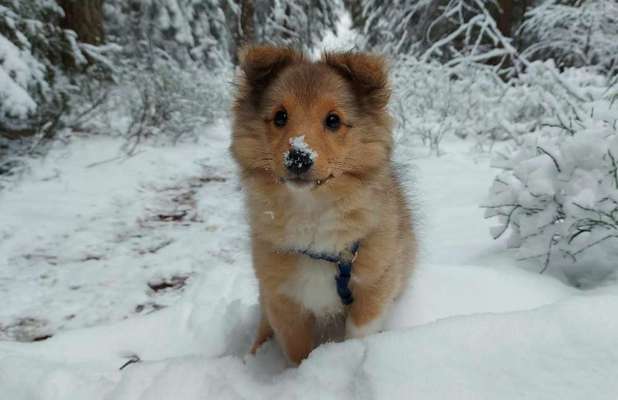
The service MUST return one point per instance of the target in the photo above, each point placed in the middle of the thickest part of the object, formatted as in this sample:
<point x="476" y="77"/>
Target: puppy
<point x="331" y="231"/>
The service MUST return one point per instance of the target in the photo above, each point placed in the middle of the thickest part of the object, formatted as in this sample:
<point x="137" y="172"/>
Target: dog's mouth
<point x="303" y="183"/>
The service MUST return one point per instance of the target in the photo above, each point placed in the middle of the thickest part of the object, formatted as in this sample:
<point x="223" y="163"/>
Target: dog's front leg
<point x="366" y="315"/>
<point x="293" y="327"/>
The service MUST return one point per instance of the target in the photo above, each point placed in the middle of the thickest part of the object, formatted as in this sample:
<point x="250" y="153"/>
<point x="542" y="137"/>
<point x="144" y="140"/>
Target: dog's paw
<point x="353" y="331"/>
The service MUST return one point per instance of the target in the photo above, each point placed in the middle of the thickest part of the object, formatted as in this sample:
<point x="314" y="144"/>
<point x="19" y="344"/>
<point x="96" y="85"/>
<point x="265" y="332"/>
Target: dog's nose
<point x="298" y="161"/>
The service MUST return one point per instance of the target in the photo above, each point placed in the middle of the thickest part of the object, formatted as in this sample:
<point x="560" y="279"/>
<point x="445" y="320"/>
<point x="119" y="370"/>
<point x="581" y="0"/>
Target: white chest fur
<point x="312" y="224"/>
<point x="313" y="286"/>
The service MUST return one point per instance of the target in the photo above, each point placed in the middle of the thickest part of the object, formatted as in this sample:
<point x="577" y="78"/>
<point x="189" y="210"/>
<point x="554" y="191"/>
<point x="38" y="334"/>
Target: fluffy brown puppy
<point x="313" y="141"/>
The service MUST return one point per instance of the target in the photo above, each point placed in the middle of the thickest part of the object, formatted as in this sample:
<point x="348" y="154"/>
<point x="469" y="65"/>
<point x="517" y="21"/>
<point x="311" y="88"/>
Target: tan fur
<point x="359" y="199"/>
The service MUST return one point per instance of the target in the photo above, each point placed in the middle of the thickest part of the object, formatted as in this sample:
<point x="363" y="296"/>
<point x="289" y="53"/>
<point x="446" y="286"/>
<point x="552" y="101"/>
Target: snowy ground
<point x="104" y="259"/>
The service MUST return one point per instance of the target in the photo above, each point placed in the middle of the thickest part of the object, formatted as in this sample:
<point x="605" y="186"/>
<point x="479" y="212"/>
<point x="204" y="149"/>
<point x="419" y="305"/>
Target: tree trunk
<point x="285" y="35"/>
<point x="355" y="8"/>
<point x="85" y="17"/>
<point x="247" y="27"/>
<point x="241" y="27"/>
<point x="505" y="21"/>
<point x="422" y="28"/>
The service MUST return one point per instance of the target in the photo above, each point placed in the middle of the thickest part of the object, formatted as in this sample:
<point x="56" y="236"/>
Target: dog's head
<point x="305" y="123"/>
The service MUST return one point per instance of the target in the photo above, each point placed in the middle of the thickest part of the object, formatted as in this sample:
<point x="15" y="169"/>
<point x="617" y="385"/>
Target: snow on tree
<point x="210" y="32"/>
<point x="187" y="31"/>
<point x="85" y="18"/>
<point x="38" y="58"/>
<point x="30" y="44"/>
<point x="172" y="72"/>
<point x="558" y="196"/>
<point x="452" y="31"/>
<point x="577" y="34"/>
<point x="20" y="74"/>
<point x="177" y="55"/>
<point x="297" y="23"/>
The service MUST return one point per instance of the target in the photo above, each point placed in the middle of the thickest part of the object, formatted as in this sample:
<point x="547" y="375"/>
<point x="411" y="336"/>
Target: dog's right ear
<point x="261" y="64"/>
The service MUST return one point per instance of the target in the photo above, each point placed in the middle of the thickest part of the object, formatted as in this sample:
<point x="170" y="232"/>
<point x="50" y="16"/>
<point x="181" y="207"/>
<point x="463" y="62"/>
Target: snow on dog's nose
<point x="300" y="157"/>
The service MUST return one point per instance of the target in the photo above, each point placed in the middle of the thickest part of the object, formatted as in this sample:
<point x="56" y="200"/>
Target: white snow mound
<point x="506" y="356"/>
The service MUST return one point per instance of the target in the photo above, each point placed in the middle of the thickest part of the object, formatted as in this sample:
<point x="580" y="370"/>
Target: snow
<point x="583" y="32"/>
<point x="298" y="143"/>
<point x="18" y="70"/>
<point x="470" y="363"/>
<point x="343" y="39"/>
<point x="106" y="258"/>
<point x="554" y="196"/>
<point x="101" y="227"/>
<point x="112" y="226"/>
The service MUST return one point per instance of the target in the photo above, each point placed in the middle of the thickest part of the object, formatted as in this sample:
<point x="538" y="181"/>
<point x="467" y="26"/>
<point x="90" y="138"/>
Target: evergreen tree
<point x="33" y="48"/>
<point x="187" y="31"/>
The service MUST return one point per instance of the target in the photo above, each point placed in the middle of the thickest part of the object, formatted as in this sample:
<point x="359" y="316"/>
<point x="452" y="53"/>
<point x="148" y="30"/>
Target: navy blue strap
<point x="344" y="270"/>
<point x="321" y="256"/>
<point x="343" y="279"/>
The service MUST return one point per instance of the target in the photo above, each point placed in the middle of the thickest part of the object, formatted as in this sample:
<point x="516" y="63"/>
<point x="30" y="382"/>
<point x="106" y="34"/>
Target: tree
<point x="505" y="21"/>
<point x="452" y="31"/>
<point x="247" y="25"/>
<point x="296" y="23"/>
<point x="32" y="47"/>
<point x="187" y="31"/>
<point x="241" y="22"/>
<point x="574" y="33"/>
<point x="84" y="17"/>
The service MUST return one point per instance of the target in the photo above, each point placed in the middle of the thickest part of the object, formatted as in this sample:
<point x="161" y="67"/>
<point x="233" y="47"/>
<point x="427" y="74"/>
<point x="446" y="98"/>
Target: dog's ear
<point x="368" y="74"/>
<point x="261" y="64"/>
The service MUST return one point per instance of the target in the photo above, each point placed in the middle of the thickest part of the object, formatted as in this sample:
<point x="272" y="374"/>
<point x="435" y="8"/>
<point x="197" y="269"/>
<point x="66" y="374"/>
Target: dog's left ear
<point x="368" y="74"/>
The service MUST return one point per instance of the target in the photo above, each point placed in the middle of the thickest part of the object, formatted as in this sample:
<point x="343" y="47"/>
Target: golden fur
<point x="350" y="193"/>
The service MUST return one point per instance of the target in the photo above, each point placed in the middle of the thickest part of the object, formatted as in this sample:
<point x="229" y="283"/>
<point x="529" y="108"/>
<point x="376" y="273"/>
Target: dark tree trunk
<point x="85" y="17"/>
<point x="247" y="27"/>
<point x="505" y="21"/>
<point x="286" y="24"/>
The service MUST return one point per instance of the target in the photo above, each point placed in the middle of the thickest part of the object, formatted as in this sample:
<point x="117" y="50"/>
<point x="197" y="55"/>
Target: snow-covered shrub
<point x="577" y="34"/>
<point x="165" y="102"/>
<point x="457" y="69"/>
<point x="558" y="197"/>
<point x="433" y="100"/>
<point x="158" y="104"/>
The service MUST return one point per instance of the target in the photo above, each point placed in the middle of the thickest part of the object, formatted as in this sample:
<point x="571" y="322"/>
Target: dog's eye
<point x="332" y="122"/>
<point x="281" y="118"/>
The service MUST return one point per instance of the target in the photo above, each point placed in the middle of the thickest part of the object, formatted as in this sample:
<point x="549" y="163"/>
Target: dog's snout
<point x="298" y="161"/>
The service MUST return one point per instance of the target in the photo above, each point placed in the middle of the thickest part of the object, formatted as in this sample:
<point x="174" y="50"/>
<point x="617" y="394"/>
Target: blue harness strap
<point x="344" y="270"/>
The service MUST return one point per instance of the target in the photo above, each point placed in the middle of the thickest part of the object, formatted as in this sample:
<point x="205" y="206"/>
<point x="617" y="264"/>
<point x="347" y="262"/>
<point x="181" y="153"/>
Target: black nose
<point x="298" y="161"/>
